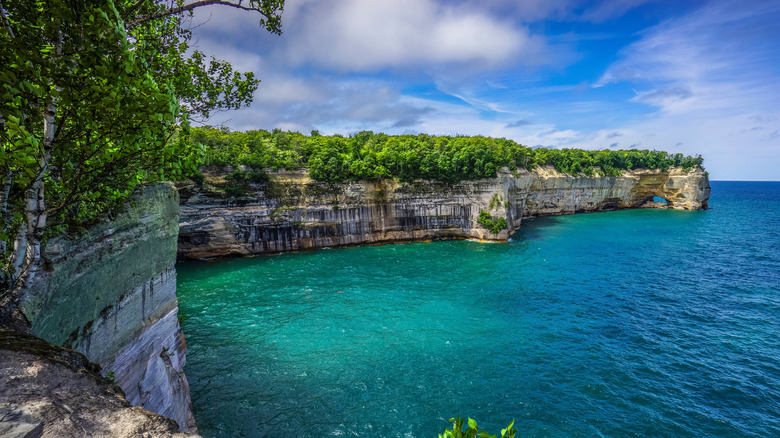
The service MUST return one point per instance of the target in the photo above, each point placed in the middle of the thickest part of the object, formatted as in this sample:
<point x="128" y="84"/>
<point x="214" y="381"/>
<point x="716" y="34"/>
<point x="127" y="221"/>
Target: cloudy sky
<point x="698" y="77"/>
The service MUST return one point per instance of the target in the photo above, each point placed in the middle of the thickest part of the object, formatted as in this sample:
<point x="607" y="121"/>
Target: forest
<point x="368" y="155"/>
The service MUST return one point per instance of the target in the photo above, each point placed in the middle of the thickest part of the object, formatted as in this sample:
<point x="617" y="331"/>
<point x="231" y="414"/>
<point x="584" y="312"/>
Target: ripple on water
<point x="631" y="323"/>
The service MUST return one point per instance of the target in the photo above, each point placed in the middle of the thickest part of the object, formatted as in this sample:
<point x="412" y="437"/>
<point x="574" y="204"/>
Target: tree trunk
<point x="4" y="216"/>
<point x="31" y="233"/>
<point x="28" y="239"/>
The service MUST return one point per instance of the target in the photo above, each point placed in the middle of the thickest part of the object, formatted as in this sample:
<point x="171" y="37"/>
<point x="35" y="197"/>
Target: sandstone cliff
<point x="292" y="212"/>
<point x="111" y="295"/>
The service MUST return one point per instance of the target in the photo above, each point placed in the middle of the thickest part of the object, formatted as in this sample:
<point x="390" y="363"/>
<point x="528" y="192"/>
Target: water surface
<point x="629" y="323"/>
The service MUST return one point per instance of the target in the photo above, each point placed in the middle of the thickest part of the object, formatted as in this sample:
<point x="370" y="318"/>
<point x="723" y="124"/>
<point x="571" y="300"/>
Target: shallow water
<point x="629" y="323"/>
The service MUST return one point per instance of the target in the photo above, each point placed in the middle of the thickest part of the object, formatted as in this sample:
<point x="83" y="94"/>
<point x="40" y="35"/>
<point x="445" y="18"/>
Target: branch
<point x="185" y="8"/>
<point x="66" y="202"/>
<point x="5" y="21"/>
<point x="8" y="180"/>
<point x="133" y="9"/>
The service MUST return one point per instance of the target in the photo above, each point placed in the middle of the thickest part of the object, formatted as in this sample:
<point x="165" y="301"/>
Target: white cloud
<point x="705" y="83"/>
<point x="665" y="97"/>
<point x="724" y="41"/>
<point x="366" y="35"/>
<point x="282" y="89"/>
<point x="713" y="77"/>
<point x="241" y="59"/>
<point x="326" y="104"/>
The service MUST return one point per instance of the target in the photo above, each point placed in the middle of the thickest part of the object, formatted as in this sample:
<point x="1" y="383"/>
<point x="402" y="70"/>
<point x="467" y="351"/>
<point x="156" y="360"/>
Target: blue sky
<point x="698" y="77"/>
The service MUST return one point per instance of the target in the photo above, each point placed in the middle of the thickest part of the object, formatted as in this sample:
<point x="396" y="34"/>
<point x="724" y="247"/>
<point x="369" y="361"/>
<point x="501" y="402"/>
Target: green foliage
<point x="119" y="82"/>
<point x="370" y="156"/>
<point x="612" y="163"/>
<point x="238" y="182"/>
<point x="96" y="76"/>
<point x="236" y="191"/>
<point x="494" y="225"/>
<point x="472" y="431"/>
<point x="198" y="178"/>
<point x="495" y="201"/>
<point x="255" y="176"/>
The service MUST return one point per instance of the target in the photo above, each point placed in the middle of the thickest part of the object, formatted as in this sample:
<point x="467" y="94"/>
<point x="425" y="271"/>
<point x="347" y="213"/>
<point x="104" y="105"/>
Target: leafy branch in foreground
<point x="96" y="98"/>
<point x="473" y="430"/>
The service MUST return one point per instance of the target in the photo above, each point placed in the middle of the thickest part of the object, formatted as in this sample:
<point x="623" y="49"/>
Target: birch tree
<point x="96" y="97"/>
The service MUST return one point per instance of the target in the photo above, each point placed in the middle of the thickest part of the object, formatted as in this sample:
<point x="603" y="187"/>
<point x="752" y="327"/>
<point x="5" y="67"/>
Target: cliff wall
<point x="111" y="295"/>
<point x="293" y="212"/>
<point x="49" y="391"/>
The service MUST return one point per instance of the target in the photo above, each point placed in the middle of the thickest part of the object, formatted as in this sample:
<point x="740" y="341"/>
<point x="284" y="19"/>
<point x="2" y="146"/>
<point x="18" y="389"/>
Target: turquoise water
<point x="630" y="323"/>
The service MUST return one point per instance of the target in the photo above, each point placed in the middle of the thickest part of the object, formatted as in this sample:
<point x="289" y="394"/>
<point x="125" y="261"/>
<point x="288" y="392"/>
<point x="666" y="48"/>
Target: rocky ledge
<point x="110" y="294"/>
<point x="50" y="391"/>
<point x="289" y="211"/>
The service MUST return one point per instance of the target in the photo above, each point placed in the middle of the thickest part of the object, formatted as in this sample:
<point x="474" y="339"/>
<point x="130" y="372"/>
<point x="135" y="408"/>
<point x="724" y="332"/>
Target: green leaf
<point x="472" y="423"/>
<point x="123" y="90"/>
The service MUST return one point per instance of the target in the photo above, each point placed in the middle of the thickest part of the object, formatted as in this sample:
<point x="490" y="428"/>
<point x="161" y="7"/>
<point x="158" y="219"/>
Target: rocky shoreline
<point x="109" y="296"/>
<point x="291" y="212"/>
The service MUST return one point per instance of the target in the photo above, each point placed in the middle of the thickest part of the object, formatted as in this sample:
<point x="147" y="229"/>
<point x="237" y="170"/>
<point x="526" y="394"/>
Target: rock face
<point x="292" y="212"/>
<point x="111" y="295"/>
<point x="553" y="193"/>
<point x="49" y="391"/>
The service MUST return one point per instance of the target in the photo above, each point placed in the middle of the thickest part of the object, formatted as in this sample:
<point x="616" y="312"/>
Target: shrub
<point x="257" y="176"/>
<point x="494" y="225"/>
<point x="198" y="178"/>
<point x="235" y="191"/>
<point x="473" y="430"/>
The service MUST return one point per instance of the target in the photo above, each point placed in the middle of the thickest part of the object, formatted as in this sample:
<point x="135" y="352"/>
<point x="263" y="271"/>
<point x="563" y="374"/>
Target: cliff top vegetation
<point x="95" y="98"/>
<point x="368" y="155"/>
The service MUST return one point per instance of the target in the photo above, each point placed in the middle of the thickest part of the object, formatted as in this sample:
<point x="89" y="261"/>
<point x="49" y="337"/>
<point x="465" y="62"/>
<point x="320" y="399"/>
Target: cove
<point x="636" y="322"/>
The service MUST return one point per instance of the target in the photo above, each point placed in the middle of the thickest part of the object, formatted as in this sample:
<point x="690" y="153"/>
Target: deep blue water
<point x="622" y="324"/>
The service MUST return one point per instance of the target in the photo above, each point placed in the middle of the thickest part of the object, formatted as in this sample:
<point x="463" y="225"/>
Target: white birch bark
<point x="6" y="191"/>
<point x="30" y="234"/>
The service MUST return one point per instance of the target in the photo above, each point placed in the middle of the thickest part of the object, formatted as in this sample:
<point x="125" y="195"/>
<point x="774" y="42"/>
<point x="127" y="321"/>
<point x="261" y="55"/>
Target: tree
<point x="96" y="97"/>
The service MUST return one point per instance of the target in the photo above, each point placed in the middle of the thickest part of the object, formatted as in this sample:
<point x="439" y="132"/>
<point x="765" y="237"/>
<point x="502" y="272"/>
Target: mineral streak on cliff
<point x="293" y="212"/>
<point x="111" y="295"/>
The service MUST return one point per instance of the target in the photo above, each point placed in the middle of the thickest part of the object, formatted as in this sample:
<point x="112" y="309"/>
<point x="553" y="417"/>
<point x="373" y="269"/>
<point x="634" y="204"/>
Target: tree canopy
<point x="95" y="97"/>
<point x="368" y="155"/>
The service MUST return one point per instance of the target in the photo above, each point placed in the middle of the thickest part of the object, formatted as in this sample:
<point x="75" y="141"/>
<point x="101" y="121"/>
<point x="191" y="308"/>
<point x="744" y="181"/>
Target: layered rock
<point x="111" y="295"/>
<point x="50" y="391"/>
<point x="292" y="212"/>
<point x="553" y="193"/>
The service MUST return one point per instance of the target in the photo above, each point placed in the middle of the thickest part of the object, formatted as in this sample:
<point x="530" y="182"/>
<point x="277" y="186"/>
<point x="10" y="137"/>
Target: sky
<point x="697" y="77"/>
